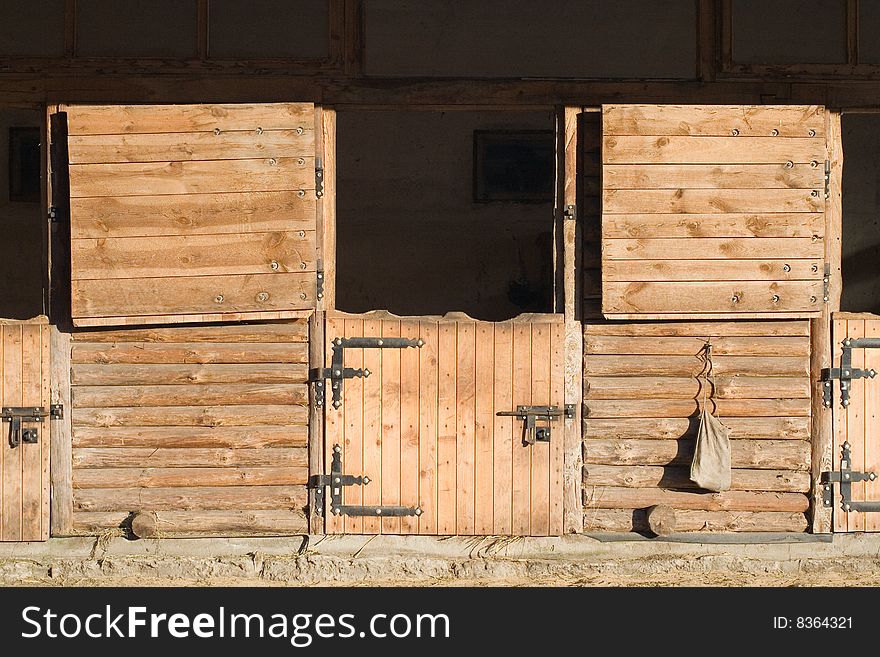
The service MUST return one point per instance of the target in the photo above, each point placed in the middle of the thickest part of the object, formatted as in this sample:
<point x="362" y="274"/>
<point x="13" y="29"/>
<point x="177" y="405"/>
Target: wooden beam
<point x="327" y="207"/>
<point x="69" y="28"/>
<point x="316" y="421"/>
<point x="707" y="37"/>
<point x="61" y="465"/>
<point x="852" y="32"/>
<point x="202" y="46"/>
<point x="353" y="40"/>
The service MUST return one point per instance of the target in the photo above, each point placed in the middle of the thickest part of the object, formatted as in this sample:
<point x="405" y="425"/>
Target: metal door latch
<point x="337" y="372"/>
<point x="530" y="415"/>
<point x="846" y="372"/>
<point x="845" y="477"/>
<point x="15" y="415"/>
<point x="336" y="480"/>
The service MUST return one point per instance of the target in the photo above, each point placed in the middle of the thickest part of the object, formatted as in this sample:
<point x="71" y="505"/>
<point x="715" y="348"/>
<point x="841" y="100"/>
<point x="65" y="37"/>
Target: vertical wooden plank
<point x="409" y="426"/>
<point x="484" y="427"/>
<point x="373" y="439"/>
<point x="429" y="427"/>
<point x="31" y="457"/>
<point x="557" y="447"/>
<point x="447" y="470"/>
<point x="522" y="454"/>
<point x="503" y="430"/>
<point x="706" y="39"/>
<point x="465" y="415"/>
<point x="855" y="426"/>
<point x="61" y="466"/>
<point x="839" y="331"/>
<point x="872" y="431"/>
<point x="392" y="403"/>
<point x="540" y="465"/>
<point x="202" y="29"/>
<point x="353" y="37"/>
<point x="852" y="32"/>
<point x="12" y="382"/>
<point x="316" y="419"/>
<point x="353" y="405"/>
<point x="327" y="223"/>
<point x="334" y="425"/>
<point x="46" y="439"/>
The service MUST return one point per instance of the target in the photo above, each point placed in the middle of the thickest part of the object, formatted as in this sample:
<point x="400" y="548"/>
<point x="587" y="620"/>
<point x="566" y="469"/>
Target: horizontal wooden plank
<point x="190" y="477"/>
<point x="189" y="395"/>
<point x="202" y="524"/>
<point x="714" y="120"/>
<point x="191" y="214"/>
<point x="700" y="296"/>
<point x="198" y="416"/>
<point x="198" y="177"/>
<point x="713" y="176"/>
<point x="186" y="457"/>
<point x="189" y="353"/>
<point x="649" y="476"/>
<point x="293" y="435"/>
<point x="137" y="375"/>
<point x="788" y="269"/>
<point x="127" y="119"/>
<point x="758" y="454"/>
<point x="749" y="428"/>
<point x="676" y="149"/>
<point x="634" y="520"/>
<point x="718" y="225"/>
<point x="193" y="294"/>
<point x="712" y="248"/>
<point x="193" y="255"/>
<point x="668" y="387"/>
<point x="722" y="345"/>
<point x="201" y="498"/>
<point x="619" y="497"/>
<point x="710" y="201"/>
<point x="193" y="318"/>
<point x="764" y="328"/>
<point x="613" y="365"/>
<point x="296" y="331"/>
<point x="608" y="408"/>
<point x="181" y="146"/>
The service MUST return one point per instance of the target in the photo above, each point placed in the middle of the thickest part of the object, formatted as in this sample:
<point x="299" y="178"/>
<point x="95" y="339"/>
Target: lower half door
<point x="424" y="430"/>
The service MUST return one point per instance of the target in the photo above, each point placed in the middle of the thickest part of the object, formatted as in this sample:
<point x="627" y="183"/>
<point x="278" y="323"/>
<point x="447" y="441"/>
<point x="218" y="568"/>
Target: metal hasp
<point x="846" y="372"/>
<point x="530" y="415"/>
<point x="319" y="178"/>
<point x="845" y="477"/>
<point x="336" y="480"/>
<point x="15" y="415"/>
<point x="337" y="372"/>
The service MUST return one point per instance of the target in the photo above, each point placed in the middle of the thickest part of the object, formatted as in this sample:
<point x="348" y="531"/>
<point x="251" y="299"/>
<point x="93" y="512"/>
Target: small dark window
<point x="513" y="166"/>
<point x="24" y="164"/>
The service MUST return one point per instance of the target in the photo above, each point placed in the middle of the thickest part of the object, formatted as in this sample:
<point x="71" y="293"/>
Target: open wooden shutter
<point x="192" y="212"/>
<point x="712" y="211"/>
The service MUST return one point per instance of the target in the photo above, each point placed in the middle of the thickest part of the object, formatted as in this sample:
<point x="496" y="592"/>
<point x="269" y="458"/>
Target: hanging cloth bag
<point x="710" y="468"/>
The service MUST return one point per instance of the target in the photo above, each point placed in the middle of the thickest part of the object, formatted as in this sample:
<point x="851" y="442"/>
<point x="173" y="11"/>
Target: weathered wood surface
<point x="199" y="524"/>
<point x="627" y="520"/>
<point x="648" y="476"/>
<point x="661" y="520"/>
<point x="714" y="120"/>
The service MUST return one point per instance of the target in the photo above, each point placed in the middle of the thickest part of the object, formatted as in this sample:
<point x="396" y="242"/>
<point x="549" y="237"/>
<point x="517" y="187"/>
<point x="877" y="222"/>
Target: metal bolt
<point x="813" y="299"/>
<point x="378" y="511"/>
<point x="336" y="480"/>
<point x="872" y="476"/>
<point x="846" y="475"/>
<point x="336" y="511"/>
<point x="846" y="507"/>
<point x="846" y="372"/>
<point x="320" y="276"/>
<point x="367" y="480"/>
<point x="734" y="298"/>
<point x="420" y="342"/>
<point x="259" y="131"/>
<point x="337" y="372"/>
<point x="774" y="132"/>
<point x="811" y="132"/>
<point x="814" y="193"/>
<point x="847" y="342"/>
<point x="299" y="130"/>
<point x="337" y="449"/>
<point x="216" y="131"/>
<point x="218" y="298"/>
<point x="827" y="487"/>
<point x="418" y="511"/>
<point x="828" y="384"/>
<point x="367" y="372"/>
<point x="272" y="161"/>
<point x="379" y="343"/>
<point x="814" y="164"/>
<point x="734" y="132"/>
<point x="786" y="267"/>
<point x="274" y="265"/>
<point x="814" y="238"/>
<point x="775" y="298"/>
<point x="789" y="164"/>
<point x="303" y="296"/>
<point x="338" y="342"/>
<point x="303" y="265"/>
<point x="814" y="269"/>
<point x="262" y="297"/>
<point x="845" y="403"/>
<point x="301" y="161"/>
<point x="301" y="193"/>
<point x="302" y="233"/>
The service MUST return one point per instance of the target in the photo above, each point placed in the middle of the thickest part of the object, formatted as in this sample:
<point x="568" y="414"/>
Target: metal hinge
<point x="530" y="415"/>
<point x="320" y="281"/>
<point x="845" y="477"/>
<point x="336" y="480"/>
<point x="337" y="372"/>
<point x="570" y="212"/>
<point x="827" y="179"/>
<point x="846" y="372"/>
<point x="319" y="178"/>
<point x="15" y="415"/>
<point x="826" y="283"/>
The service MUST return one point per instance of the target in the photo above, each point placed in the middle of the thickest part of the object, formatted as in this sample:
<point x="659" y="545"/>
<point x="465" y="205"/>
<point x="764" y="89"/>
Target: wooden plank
<point x="189" y="353"/>
<point x="188" y="457"/>
<point x="149" y="320"/>
<point x="190" y="395"/>
<point x="710" y="248"/>
<point x="61" y="436"/>
<point x="429" y="431"/>
<point x="129" y="119"/>
<point x="294" y="435"/>
<point x="193" y="255"/>
<point x="191" y="214"/>
<point x="196" y="416"/>
<point x="353" y="415"/>
<point x="754" y="428"/>
<point x="11" y="516"/>
<point x="184" y="146"/>
<point x="484" y="418"/>
<point x="713" y="176"/>
<point x="327" y="224"/>
<point x="33" y="360"/>
<point x="267" y="174"/>
<point x="608" y="408"/>
<point x="522" y="454"/>
<point x="190" y="498"/>
<point x="540" y="452"/>
<point x="334" y="424"/>
<point x="627" y="520"/>
<point x="615" y="365"/>
<point x="373" y="435"/>
<point x="391" y="399"/>
<point x="202" y="524"/>
<point x="142" y="477"/>
<point x="722" y="345"/>
<point x="667" y="387"/>
<point x="713" y="120"/>
<point x="872" y="432"/>
<point x="618" y="497"/>
<point x="784" y="269"/>
<point x="710" y="201"/>
<point x="409" y="413"/>
<point x="855" y="425"/>
<point x="560" y="489"/>
<point x="465" y="400"/>
<point x="645" y="476"/>
<point x="193" y="294"/>
<point x="315" y="439"/>
<point x="503" y="431"/>
<point x="675" y="149"/>
<point x="839" y="331"/>
<point x="169" y="374"/>
<point x="758" y="454"/>
<point x="447" y="429"/>
<point x="700" y="329"/>
<point x="296" y="331"/>
<point x="735" y="296"/>
<point x="718" y="225"/>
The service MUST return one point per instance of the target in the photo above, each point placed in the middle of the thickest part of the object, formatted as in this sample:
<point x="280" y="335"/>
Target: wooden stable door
<point x="24" y="449"/>
<point x="424" y="425"/>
